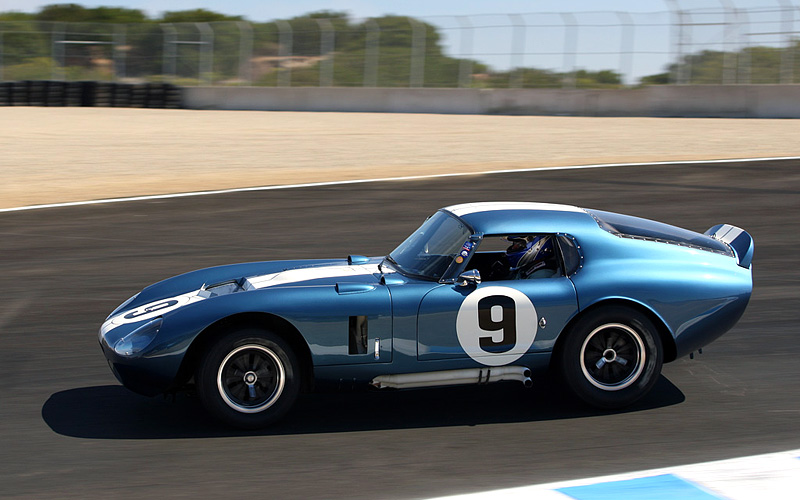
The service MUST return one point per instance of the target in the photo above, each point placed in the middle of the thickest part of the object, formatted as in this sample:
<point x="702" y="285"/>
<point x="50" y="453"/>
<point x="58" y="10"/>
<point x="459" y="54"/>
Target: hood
<point x="174" y="293"/>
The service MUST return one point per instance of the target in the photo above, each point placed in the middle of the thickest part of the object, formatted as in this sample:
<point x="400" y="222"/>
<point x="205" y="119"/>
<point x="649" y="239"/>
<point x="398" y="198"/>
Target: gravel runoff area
<point x="53" y="155"/>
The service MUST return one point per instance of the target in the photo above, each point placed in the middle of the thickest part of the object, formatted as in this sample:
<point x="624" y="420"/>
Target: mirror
<point x="471" y="277"/>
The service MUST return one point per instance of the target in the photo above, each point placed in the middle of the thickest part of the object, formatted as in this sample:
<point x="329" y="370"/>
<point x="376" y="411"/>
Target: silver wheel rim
<point x="251" y="378"/>
<point x="612" y="356"/>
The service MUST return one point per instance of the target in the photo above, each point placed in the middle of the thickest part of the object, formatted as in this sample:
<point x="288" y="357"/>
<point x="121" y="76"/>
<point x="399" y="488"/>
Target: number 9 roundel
<point x="496" y="325"/>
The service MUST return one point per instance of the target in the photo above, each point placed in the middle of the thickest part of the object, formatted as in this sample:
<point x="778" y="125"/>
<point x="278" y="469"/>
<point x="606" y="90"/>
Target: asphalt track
<point x="69" y="430"/>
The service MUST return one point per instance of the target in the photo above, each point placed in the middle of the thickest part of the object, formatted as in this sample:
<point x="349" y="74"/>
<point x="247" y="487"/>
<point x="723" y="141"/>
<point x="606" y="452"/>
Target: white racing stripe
<point x="728" y="233"/>
<point x="309" y="274"/>
<point x="387" y="179"/>
<point x="288" y="277"/>
<point x="489" y="206"/>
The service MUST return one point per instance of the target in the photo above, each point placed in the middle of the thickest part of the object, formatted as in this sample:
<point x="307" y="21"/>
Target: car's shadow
<point x="112" y="412"/>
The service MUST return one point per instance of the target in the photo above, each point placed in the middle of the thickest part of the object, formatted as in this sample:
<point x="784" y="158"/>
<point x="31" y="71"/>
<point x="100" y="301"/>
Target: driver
<point x="528" y="254"/>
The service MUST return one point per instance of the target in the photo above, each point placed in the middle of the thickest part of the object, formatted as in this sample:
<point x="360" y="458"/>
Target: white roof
<point x="490" y="206"/>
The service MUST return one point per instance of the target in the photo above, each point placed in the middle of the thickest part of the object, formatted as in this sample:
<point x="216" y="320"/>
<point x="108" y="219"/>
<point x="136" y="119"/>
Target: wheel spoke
<point x="600" y="363"/>
<point x="267" y="379"/>
<point x="621" y="342"/>
<point x="265" y="370"/>
<point x="597" y="344"/>
<point x="240" y="364"/>
<point x="626" y="350"/>
<point x="622" y="361"/>
<point x="238" y="391"/>
<point x="260" y="362"/>
<point x="615" y="373"/>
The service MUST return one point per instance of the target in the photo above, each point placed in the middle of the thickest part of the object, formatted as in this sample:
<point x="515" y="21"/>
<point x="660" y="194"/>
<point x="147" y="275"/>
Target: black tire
<point x="249" y="378"/>
<point x="611" y="357"/>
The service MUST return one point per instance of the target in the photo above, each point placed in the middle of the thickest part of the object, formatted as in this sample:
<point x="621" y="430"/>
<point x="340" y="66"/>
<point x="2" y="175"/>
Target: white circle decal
<point x="154" y="309"/>
<point x="496" y="325"/>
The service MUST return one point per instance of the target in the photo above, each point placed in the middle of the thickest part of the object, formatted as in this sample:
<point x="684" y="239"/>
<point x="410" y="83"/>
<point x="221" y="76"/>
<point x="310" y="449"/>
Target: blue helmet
<point x="529" y="253"/>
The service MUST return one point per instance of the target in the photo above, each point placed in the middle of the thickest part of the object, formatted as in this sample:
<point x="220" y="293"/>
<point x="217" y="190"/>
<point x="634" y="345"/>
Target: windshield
<point x="430" y="250"/>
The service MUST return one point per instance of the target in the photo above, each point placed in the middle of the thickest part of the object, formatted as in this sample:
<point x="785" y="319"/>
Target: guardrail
<point x="723" y="101"/>
<point x="719" y="101"/>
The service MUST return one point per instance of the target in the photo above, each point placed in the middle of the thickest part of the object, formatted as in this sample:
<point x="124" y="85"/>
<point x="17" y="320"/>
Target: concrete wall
<point x="743" y="101"/>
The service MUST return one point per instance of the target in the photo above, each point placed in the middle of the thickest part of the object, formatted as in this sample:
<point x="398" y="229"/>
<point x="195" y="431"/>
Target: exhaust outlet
<point x="454" y="377"/>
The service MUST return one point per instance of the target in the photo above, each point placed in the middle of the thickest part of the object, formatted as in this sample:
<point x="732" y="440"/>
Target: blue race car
<point x="481" y="292"/>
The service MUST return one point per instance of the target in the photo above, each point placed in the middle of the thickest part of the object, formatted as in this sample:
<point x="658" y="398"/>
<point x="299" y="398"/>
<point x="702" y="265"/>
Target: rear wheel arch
<point x="215" y="331"/>
<point x="664" y="334"/>
<point x="610" y="356"/>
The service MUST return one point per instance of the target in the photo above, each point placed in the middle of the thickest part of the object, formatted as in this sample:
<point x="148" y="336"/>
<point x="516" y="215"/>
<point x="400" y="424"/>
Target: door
<point x="495" y="322"/>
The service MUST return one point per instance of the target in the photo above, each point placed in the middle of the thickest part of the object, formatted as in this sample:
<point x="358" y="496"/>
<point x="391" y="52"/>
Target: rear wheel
<point x="250" y="378"/>
<point x="611" y="357"/>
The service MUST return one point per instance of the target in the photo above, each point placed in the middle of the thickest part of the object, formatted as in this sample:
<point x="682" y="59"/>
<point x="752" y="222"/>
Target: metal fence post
<point x="58" y="49"/>
<point x="119" y="52"/>
<point x="327" y="42"/>
<point x="206" y="60"/>
<point x="169" y="51"/>
<point x="626" y="46"/>
<point x="245" y="52"/>
<point x="570" y="49"/>
<point x="517" y="50"/>
<point x="744" y="63"/>
<point x="371" y="53"/>
<point x="675" y="35"/>
<point x="419" y="33"/>
<point x="787" y="27"/>
<point x="284" y="52"/>
<point x="728" y="58"/>
<point x="465" y="64"/>
<point x="684" y="66"/>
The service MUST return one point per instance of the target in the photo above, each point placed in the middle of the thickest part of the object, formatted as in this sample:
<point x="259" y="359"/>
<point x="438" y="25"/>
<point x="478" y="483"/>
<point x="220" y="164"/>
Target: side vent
<point x="358" y="335"/>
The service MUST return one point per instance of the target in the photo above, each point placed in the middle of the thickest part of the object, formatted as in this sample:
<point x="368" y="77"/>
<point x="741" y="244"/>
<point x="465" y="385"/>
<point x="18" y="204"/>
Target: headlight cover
<point x="138" y="340"/>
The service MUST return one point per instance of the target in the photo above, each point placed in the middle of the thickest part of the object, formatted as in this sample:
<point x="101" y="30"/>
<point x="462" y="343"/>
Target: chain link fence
<point x="568" y="50"/>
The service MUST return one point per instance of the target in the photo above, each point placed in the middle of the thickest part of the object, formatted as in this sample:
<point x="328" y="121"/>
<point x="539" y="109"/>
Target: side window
<point x="517" y="256"/>
<point x="573" y="260"/>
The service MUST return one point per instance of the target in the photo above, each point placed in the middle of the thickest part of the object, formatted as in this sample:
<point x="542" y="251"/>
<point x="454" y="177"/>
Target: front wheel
<point x="611" y="357"/>
<point x="250" y="378"/>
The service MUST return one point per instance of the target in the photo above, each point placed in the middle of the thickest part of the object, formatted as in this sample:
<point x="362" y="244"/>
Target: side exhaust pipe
<point x="454" y="377"/>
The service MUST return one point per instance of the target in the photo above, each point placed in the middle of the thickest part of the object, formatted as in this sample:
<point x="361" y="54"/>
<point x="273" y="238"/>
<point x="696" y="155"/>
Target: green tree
<point x="196" y="16"/>
<point x="16" y="16"/>
<point x="74" y="13"/>
<point x="758" y="65"/>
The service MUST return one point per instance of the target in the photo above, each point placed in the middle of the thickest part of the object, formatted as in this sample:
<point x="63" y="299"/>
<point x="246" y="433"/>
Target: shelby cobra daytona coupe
<point x="481" y="292"/>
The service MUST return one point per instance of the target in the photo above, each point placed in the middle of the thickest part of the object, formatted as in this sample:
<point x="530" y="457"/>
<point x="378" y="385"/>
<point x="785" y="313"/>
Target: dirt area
<point x="50" y="155"/>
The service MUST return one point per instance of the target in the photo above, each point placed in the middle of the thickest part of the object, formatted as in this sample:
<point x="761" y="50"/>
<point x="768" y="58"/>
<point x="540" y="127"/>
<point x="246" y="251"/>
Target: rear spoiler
<point x="738" y="239"/>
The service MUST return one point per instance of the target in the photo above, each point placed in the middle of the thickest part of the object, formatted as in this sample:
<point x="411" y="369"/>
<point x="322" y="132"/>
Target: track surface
<point x="68" y="429"/>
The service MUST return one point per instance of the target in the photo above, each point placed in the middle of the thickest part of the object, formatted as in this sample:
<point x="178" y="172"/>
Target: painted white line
<point x="773" y="476"/>
<point x="385" y="179"/>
